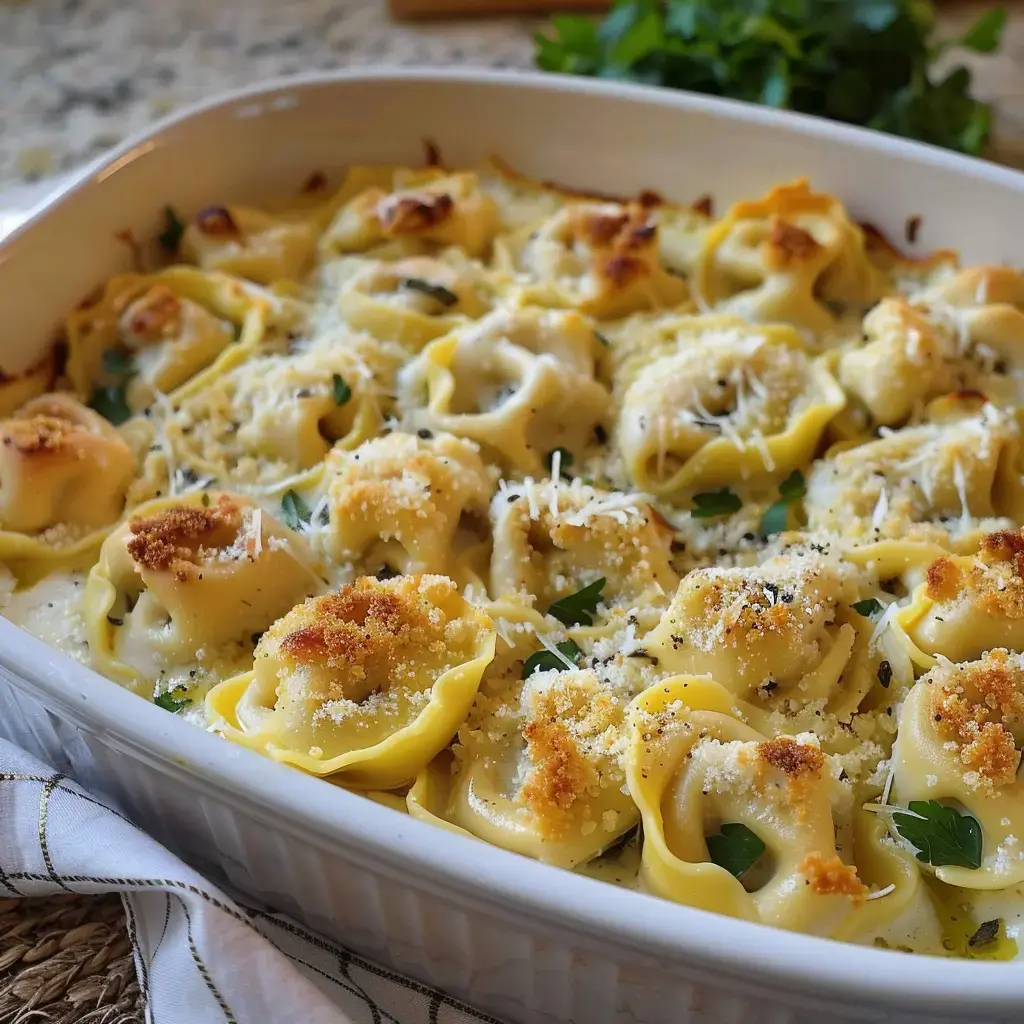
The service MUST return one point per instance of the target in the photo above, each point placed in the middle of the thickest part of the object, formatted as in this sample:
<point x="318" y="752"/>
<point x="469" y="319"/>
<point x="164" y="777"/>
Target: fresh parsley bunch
<point x="867" y="62"/>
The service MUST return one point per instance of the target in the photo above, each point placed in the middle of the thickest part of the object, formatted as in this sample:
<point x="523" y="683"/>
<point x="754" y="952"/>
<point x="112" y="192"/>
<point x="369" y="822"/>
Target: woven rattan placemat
<point x="67" y="960"/>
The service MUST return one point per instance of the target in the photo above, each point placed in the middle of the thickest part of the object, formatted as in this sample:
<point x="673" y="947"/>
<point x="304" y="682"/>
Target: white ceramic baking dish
<point x="514" y="937"/>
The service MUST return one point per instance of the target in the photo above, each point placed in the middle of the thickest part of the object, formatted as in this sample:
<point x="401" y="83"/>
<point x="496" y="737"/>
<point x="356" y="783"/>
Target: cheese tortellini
<point x="539" y="768"/>
<point x="64" y="472"/>
<point x="367" y="684"/>
<point x="786" y="630"/>
<point x="411" y="301"/>
<point x="959" y="741"/>
<point x="711" y="401"/>
<point x="403" y="503"/>
<point x="553" y="538"/>
<point x="682" y="551"/>
<point x="250" y="243"/>
<point x="602" y="259"/>
<point x="793" y="256"/>
<point x="274" y="416"/>
<point x="694" y="769"/>
<point x="934" y="481"/>
<point x="969" y="605"/>
<point x="520" y="383"/>
<point x="413" y="213"/>
<point x="186" y="580"/>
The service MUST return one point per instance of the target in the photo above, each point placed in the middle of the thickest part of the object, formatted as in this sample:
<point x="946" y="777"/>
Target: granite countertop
<point x="78" y="75"/>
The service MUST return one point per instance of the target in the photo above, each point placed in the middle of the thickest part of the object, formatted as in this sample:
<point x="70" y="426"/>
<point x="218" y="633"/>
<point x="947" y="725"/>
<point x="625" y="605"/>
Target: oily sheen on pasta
<point x="679" y="551"/>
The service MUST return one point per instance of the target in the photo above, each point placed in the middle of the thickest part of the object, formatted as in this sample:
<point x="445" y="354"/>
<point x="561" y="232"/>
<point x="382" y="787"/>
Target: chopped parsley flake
<point x="868" y="607"/>
<point x="174" y="228"/>
<point x="940" y="835"/>
<point x="735" y="848"/>
<point x="776" y="516"/>
<point x="710" y="504"/>
<point x="544" y="661"/>
<point x="438" y="292"/>
<point x="578" y="609"/>
<point x="340" y="389"/>
<point x="295" y="512"/>
<point x="111" y="403"/>
<point x="169" y="702"/>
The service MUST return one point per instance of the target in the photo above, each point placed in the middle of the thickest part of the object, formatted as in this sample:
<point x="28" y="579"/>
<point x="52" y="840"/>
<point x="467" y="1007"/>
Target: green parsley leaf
<point x="715" y="503"/>
<point x="340" y="389"/>
<point x="776" y="516"/>
<point x="438" y="292"/>
<point x="566" y="462"/>
<point x="295" y="512"/>
<point x="868" y="607"/>
<point x="940" y="835"/>
<point x="868" y="62"/>
<point x="118" y="364"/>
<point x="169" y="702"/>
<point x="735" y="848"/>
<point x="110" y="402"/>
<point x="578" y="609"/>
<point x="985" y="35"/>
<point x="794" y="487"/>
<point x="544" y="660"/>
<point x="174" y="228"/>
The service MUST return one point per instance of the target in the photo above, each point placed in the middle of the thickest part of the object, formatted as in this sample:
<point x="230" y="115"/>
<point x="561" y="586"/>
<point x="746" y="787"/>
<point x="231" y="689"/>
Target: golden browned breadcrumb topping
<point x="831" y="877"/>
<point x="372" y="631"/>
<point x="169" y="539"/>
<point x="38" y="435"/>
<point x="789" y="243"/>
<point x="625" y="242"/>
<point x="571" y="727"/>
<point x="943" y="579"/>
<point x="1004" y="546"/>
<point x="560" y="774"/>
<point x="995" y="578"/>
<point x="973" y="705"/>
<point x="791" y="757"/>
<point x="156" y="315"/>
<point x="409" y="215"/>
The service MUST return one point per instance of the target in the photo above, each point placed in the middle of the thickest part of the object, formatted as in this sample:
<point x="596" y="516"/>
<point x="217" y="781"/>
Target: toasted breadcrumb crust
<point x="943" y="578"/>
<point x="170" y="539"/>
<point x="791" y="757"/>
<point x="155" y="316"/>
<point x="974" y="705"/>
<point x="410" y="215"/>
<point x="560" y="775"/>
<point x="789" y="244"/>
<point x="994" y="580"/>
<point x="831" y="877"/>
<point x="373" y="635"/>
<point x="565" y="716"/>
<point x="625" y="242"/>
<point x="38" y="435"/>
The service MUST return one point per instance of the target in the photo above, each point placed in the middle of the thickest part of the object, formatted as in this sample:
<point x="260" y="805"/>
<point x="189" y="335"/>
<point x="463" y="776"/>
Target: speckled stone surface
<point x="76" y="76"/>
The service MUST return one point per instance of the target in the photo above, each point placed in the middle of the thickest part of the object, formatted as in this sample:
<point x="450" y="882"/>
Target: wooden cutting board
<point x="448" y="8"/>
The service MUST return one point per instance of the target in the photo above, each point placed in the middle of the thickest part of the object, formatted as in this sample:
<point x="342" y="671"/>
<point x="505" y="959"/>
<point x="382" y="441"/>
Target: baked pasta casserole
<point x="680" y="550"/>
